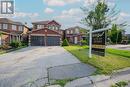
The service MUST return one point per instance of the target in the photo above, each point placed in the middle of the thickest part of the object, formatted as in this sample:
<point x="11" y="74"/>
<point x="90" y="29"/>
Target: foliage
<point x="123" y="53"/>
<point x="15" y="44"/>
<point x="65" y="42"/>
<point x="83" y="42"/>
<point x="62" y="83"/>
<point x="24" y="43"/>
<point x="115" y="34"/>
<point x="120" y="84"/>
<point x="99" y="17"/>
<point x="5" y="47"/>
<point x="104" y="65"/>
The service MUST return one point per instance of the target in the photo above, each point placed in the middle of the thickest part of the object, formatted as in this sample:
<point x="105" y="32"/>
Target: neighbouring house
<point x="11" y="30"/>
<point x="45" y="33"/>
<point x="75" y="34"/>
<point x="128" y="35"/>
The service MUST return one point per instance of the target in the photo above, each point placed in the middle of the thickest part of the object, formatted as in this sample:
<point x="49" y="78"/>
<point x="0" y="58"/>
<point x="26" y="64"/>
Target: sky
<point x="66" y="12"/>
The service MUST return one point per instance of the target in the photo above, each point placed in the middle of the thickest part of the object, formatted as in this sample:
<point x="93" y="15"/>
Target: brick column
<point x="29" y="40"/>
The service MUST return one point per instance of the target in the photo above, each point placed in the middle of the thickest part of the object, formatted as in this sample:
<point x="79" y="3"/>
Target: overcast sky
<point x="66" y="12"/>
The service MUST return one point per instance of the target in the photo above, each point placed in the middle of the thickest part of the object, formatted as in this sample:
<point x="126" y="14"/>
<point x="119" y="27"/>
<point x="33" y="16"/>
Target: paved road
<point x="23" y="67"/>
<point x="121" y="47"/>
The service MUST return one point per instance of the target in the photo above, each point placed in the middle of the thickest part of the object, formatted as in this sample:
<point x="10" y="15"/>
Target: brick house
<point x="75" y="34"/>
<point x="45" y="33"/>
<point x="11" y="30"/>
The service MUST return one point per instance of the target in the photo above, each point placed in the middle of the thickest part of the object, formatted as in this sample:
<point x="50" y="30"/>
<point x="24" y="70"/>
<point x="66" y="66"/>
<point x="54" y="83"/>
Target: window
<point x="14" y="27"/>
<point x="76" y="30"/>
<point x="40" y="26"/>
<point x="20" y="28"/>
<point x="5" y="26"/>
<point x="67" y="31"/>
<point x="71" y="31"/>
<point x="0" y="26"/>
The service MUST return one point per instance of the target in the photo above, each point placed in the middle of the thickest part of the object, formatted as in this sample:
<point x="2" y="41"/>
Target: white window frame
<point x="68" y="32"/>
<point x="5" y="26"/>
<point x="20" y="28"/>
<point x="76" y="30"/>
<point x="14" y="27"/>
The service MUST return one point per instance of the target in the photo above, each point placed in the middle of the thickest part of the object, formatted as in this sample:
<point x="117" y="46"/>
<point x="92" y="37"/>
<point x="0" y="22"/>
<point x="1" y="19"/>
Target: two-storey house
<point x="45" y="33"/>
<point x="75" y="34"/>
<point x="10" y="31"/>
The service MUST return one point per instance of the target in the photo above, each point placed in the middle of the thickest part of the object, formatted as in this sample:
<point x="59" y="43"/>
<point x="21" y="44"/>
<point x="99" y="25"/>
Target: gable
<point x="44" y="31"/>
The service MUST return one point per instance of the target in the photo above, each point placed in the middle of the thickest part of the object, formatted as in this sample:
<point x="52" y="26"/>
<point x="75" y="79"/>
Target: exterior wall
<point x="25" y="30"/>
<point x="43" y="32"/>
<point x="75" y="34"/>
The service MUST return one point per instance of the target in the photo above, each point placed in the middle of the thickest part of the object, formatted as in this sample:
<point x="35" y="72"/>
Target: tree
<point x="115" y="34"/>
<point x="65" y="42"/>
<point x="99" y="17"/>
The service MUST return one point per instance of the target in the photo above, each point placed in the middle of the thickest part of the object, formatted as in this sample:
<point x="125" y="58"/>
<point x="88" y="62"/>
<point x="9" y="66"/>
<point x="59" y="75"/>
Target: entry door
<point x="75" y="40"/>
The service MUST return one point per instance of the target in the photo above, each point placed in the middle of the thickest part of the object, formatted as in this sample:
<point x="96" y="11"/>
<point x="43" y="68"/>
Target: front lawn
<point x="105" y="65"/>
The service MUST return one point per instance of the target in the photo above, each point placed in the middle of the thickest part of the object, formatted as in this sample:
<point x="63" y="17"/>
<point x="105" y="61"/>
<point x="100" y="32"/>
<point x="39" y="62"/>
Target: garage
<point x="44" y="37"/>
<point x="53" y="41"/>
<point x="37" y="41"/>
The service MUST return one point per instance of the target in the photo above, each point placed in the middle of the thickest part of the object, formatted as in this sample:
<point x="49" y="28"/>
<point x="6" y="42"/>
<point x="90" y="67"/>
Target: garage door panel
<point x="37" y="41"/>
<point x="53" y="41"/>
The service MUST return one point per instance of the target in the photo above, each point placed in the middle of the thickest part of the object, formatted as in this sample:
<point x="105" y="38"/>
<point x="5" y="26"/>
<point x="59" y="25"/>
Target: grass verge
<point x="105" y="65"/>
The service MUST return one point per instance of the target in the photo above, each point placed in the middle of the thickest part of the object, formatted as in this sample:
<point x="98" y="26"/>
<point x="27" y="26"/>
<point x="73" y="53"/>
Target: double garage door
<point x="42" y="41"/>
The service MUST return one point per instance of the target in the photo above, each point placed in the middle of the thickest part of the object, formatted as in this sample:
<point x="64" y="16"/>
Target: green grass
<point x="124" y="53"/>
<point x="105" y="65"/>
<point x="62" y="83"/>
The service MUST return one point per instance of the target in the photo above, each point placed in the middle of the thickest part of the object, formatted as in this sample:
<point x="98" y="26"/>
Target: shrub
<point x="120" y="84"/>
<point x="5" y="47"/>
<point x="83" y="42"/>
<point x="15" y="44"/>
<point x="24" y="43"/>
<point x="65" y="42"/>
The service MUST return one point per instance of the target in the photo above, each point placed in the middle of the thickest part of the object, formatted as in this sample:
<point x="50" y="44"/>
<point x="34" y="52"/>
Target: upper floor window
<point x="76" y="30"/>
<point x="67" y="31"/>
<point x="20" y="28"/>
<point x="5" y="26"/>
<point x="14" y="27"/>
<point x="71" y="31"/>
<point x="40" y="26"/>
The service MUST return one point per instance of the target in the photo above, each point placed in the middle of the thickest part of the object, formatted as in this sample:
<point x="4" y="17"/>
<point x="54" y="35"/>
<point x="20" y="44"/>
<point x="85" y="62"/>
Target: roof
<point x="75" y="27"/>
<point x="11" y="32"/>
<point x="46" y="22"/>
<point x="6" y="20"/>
<point x="41" y="31"/>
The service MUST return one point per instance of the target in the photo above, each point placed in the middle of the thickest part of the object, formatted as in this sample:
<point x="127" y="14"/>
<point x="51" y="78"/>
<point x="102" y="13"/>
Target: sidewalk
<point x="101" y="80"/>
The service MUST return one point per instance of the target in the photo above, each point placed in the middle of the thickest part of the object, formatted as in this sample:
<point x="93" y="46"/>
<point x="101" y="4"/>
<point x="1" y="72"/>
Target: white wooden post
<point x="90" y="43"/>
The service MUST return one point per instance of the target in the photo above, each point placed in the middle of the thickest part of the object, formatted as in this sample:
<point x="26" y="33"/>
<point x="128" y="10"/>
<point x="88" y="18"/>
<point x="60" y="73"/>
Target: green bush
<point x="120" y="84"/>
<point x="24" y="43"/>
<point x="83" y="42"/>
<point x="15" y="44"/>
<point x="65" y="42"/>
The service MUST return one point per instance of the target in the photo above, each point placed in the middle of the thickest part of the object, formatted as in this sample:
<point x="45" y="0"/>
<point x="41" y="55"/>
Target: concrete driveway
<point x="29" y="65"/>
